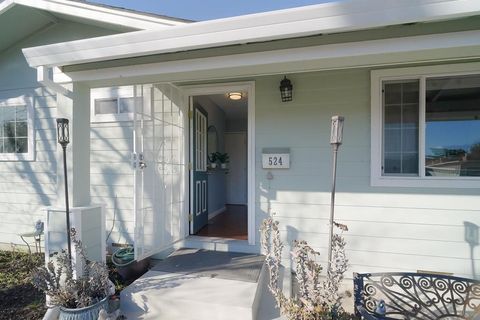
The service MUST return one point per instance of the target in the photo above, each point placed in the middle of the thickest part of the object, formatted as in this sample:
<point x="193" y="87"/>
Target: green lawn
<point x="18" y="298"/>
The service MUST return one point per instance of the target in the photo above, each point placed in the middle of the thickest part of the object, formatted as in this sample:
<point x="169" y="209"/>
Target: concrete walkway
<point x="186" y="286"/>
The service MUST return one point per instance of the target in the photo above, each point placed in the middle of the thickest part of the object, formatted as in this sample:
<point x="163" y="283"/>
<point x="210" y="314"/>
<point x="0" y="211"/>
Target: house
<point x="157" y="103"/>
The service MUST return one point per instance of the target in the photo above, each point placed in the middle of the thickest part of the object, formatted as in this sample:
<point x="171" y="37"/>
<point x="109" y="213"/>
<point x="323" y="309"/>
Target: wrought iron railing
<point x="416" y="296"/>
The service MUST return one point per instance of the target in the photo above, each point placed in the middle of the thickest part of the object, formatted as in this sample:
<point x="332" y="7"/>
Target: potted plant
<point x="212" y="158"/>
<point x="223" y="158"/>
<point x="78" y="298"/>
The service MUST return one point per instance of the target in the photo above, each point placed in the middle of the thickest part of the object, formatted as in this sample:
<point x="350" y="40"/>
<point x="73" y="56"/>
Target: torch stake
<point x="63" y="135"/>
<point x="67" y="209"/>
<point x="332" y="205"/>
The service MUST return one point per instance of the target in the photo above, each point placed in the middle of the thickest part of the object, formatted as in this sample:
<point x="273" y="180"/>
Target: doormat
<point x="213" y="264"/>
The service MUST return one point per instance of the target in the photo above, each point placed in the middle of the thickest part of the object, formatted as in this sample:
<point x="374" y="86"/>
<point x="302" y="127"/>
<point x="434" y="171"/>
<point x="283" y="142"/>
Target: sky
<point x="199" y="10"/>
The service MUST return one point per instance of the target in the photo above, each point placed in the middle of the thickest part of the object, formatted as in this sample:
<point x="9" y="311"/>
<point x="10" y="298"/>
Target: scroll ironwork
<point x="416" y="296"/>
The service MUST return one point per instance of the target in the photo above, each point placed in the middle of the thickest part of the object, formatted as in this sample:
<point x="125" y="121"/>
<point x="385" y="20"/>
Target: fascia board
<point x="428" y="48"/>
<point x="5" y="5"/>
<point x="97" y="13"/>
<point x="312" y="20"/>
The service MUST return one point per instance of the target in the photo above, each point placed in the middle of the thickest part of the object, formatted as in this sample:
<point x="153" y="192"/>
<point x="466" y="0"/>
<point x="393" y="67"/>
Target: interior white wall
<point x="236" y="178"/>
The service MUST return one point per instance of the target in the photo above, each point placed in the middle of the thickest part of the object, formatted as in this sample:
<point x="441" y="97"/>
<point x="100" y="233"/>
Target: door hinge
<point x="190" y="114"/>
<point x="134" y="160"/>
<point x="190" y="217"/>
<point x="138" y="161"/>
<point x="189" y="166"/>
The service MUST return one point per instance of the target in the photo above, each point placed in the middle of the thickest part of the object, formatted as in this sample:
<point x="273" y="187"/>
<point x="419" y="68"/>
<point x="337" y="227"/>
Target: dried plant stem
<point x="318" y="298"/>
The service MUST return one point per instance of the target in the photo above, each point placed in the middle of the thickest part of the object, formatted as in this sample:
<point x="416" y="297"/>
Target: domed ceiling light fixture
<point x="235" y="95"/>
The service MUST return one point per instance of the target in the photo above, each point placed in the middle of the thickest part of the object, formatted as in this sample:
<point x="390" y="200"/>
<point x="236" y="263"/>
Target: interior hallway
<point x="232" y="224"/>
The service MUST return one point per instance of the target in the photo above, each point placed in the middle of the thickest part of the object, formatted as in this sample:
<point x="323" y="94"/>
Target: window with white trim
<point x="426" y="127"/>
<point x="113" y="104"/>
<point x="17" y="139"/>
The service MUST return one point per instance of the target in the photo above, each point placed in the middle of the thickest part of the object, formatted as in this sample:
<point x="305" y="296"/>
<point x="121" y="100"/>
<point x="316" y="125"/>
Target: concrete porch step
<point x="198" y="284"/>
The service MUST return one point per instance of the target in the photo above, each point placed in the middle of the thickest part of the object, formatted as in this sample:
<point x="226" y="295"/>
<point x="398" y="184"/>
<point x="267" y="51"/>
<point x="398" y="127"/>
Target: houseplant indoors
<point x="223" y="158"/>
<point x="78" y="297"/>
<point x="212" y="158"/>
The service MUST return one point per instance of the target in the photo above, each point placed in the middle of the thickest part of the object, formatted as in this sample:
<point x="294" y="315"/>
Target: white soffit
<point x="298" y="22"/>
<point x="455" y="46"/>
<point x="105" y="14"/>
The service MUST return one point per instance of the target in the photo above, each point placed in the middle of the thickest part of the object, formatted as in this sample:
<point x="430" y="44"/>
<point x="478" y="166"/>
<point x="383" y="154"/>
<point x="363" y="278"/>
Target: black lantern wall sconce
<point x="286" y="90"/>
<point x="63" y="132"/>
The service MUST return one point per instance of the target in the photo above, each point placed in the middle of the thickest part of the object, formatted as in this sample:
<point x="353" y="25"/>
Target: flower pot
<point x="87" y="313"/>
<point x="223" y="165"/>
<point x="213" y="165"/>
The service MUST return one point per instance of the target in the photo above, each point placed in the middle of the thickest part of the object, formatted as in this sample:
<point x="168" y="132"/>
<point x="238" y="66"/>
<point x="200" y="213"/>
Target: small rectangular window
<point x="106" y="106"/>
<point x="114" y="104"/>
<point x="16" y="130"/>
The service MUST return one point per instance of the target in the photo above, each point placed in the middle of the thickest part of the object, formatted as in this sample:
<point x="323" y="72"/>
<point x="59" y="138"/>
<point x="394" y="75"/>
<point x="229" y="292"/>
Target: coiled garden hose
<point x="123" y="257"/>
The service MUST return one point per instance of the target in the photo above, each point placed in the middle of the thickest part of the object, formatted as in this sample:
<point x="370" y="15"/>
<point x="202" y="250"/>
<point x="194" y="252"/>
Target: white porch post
<point x="88" y="220"/>
<point x="75" y="106"/>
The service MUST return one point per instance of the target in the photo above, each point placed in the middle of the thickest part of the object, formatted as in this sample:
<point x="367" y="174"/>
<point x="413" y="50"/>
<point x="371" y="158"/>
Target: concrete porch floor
<point x="201" y="284"/>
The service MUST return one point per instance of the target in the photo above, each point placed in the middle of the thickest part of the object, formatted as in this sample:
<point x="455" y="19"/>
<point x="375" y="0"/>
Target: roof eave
<point x="104" y="14"/>
<point x="324" y="18"/>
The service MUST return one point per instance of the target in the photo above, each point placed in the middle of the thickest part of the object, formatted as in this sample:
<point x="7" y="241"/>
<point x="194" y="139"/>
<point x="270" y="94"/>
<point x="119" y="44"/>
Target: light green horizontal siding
<point x="402" y="229"/>
<point x="27" y="187"/>
<point x="111" y="177"/>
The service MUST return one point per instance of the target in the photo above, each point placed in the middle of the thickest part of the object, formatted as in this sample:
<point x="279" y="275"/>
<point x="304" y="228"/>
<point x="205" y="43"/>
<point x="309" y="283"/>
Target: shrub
<point x="318" y="297"/>
<point x="57" y="280"/>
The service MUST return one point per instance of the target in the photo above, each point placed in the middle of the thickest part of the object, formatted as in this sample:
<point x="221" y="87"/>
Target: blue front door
<point x="199" y="178"/>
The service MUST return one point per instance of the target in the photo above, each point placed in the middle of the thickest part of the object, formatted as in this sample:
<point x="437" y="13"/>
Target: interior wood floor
<point x="231" y="224"/>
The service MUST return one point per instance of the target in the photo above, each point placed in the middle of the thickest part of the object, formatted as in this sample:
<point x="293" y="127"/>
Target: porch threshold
<point x="217" y="244"/>
<point x="198" y="284"/>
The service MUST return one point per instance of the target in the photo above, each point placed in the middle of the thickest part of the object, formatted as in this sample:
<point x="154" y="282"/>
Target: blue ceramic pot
<point x="87" y="313"/>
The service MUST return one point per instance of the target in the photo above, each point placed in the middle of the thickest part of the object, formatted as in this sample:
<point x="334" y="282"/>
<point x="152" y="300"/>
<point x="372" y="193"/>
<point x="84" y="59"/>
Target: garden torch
<point x="63" y="139"/>
<point x="336" y="136"/>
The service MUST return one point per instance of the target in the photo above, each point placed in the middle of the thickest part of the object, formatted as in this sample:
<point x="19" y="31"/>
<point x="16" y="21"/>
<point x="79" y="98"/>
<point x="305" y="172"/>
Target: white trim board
<point x="105" y="14"/>
<point x="220" y="88"/>
<point x="404" y="50"/>
<point x="283" y="24"/>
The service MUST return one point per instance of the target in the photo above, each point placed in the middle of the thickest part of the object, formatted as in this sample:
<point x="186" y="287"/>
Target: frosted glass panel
<point x="127" y="105"/>
<point x="106" y="106"/>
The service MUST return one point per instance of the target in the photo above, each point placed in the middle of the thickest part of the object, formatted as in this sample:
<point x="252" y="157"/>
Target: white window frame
<point x="30" y="155"/>
<point x="421" y="74"/>
<point x="110" y="93"/>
